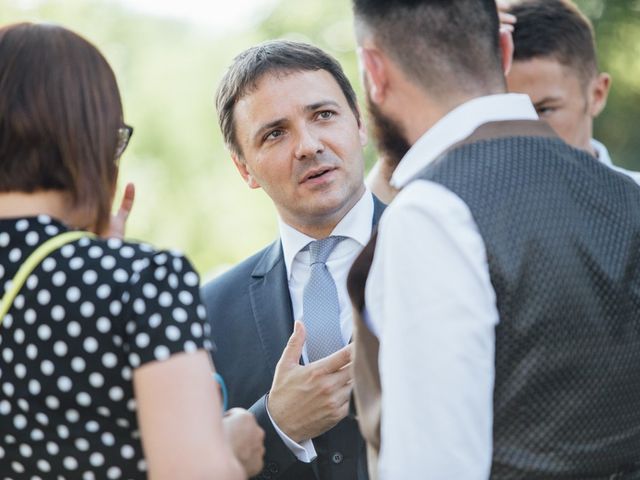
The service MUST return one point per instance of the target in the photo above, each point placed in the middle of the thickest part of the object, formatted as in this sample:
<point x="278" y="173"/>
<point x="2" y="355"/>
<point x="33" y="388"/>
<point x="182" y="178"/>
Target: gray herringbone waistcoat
<point x="562" y="234"/>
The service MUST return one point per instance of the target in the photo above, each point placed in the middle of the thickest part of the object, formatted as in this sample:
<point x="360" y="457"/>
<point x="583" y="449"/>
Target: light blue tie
<point x="321" y="309"/>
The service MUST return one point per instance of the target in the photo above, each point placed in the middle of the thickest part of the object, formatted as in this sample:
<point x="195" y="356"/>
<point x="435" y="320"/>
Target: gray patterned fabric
<point x="562" y="234"/>
<point x="320" y="306"/>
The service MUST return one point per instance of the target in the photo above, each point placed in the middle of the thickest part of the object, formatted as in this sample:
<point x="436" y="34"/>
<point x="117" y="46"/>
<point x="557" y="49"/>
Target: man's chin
<point x="328" y="204"/>
<point x="390" y="140"/>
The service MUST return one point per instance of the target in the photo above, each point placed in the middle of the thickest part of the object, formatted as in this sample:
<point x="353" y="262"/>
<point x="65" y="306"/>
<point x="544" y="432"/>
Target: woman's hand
<point x="119" y="220"/>
<point x="246" y="439"/>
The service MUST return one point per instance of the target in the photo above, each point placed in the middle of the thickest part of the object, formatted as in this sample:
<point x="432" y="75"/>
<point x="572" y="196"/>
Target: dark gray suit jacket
<point x="249" y="308"/>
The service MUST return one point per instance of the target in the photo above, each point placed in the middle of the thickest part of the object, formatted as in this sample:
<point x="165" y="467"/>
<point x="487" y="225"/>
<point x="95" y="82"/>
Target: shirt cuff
<point x="304" y="451"/>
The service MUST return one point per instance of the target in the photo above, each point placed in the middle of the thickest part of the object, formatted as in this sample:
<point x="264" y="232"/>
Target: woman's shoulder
<point x="158" y="297"/>
<point x="129" y="261"/>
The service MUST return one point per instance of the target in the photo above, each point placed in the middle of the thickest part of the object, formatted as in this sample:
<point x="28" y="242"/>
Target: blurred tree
<point x="617" y="26"/>
<point x="189" y="194"/>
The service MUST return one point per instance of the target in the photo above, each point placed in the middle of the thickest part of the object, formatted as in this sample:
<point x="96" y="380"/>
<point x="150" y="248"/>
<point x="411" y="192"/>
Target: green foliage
<point x="617" y="27"/>
<point x="189" y="195"/>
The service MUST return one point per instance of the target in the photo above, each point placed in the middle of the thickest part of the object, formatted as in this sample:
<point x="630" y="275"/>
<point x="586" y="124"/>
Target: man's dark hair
<point x="555" y="29"/>
<point x="276" y="57"/>
<point x="442" y="45"/>
<point x="60" y="112"/>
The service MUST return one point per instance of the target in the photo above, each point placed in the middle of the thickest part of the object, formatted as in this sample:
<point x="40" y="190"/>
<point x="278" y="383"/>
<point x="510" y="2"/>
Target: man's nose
<point x="309" y="144"/>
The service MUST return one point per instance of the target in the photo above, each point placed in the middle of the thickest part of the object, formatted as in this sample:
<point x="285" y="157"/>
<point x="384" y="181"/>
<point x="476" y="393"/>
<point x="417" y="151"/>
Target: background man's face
<point x="302" y="144"/>
<point x="559" y="97"/>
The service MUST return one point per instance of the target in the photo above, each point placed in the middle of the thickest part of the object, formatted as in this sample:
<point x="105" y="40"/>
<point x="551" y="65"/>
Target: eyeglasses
<point x="124" y="135"/>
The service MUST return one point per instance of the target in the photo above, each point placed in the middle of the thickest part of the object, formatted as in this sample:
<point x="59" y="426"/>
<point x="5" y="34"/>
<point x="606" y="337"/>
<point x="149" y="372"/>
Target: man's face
<point x="301" y="143"/>
<point x="560" y="97"/>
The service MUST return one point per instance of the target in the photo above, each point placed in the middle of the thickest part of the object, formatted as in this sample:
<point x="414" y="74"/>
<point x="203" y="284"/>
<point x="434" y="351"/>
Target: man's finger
<point x="293" y="350"/>
<point x="336" y="360"/>
<point x="505" y="27"/>
<point x="343" y="377"/>
<point x="507" y="19"/>
<point x="344" y="394"/>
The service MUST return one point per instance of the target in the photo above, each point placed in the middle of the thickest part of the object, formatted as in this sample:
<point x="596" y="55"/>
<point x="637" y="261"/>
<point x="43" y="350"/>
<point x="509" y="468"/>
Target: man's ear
<point x="244" y="171"/>
<point x="599" y="92"/>
<point x="506" y="47"/>
<point x="374" y="73"/>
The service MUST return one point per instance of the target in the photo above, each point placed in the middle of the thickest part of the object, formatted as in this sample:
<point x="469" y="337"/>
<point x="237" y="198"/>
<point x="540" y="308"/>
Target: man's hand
<point x="507" y="21"/>
<point x="307" y="400"/>
<point x="246" y="439"/>
<point x="119" y="220"/>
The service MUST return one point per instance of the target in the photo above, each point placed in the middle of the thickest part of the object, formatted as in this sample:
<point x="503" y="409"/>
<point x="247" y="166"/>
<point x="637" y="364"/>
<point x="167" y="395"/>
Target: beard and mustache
<point x="389" y="138"/>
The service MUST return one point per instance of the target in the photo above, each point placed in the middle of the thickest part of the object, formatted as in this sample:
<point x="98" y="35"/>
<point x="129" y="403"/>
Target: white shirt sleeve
<point x="305" y="451"/>
<point x="431" y="302"/>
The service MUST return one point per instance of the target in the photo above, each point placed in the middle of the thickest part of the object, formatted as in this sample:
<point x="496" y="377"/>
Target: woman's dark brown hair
<point x="60" y="111"/>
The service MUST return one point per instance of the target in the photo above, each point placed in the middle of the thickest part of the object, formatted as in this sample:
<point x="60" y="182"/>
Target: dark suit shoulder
<point x="236" y="277"/>
<point x="240" y="273"/>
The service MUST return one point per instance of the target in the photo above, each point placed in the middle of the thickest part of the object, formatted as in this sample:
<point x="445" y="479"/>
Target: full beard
<point x="390" y="140"/>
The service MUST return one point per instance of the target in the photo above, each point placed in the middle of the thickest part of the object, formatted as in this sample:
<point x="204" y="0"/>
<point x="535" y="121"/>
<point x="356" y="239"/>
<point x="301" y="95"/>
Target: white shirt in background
<point x="602" y="154"/>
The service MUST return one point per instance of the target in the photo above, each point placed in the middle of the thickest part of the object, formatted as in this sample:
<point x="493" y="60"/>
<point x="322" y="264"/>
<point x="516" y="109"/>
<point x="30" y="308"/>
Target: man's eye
<point x="273" y="134"/>
<point x="326" y="114"/>
<point x="545" y="111"/>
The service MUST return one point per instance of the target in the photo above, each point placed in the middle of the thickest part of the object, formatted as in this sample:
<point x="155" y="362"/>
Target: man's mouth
<point x="317" y="173"/>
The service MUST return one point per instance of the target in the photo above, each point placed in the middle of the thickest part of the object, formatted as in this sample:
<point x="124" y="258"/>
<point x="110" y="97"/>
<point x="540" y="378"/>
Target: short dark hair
<point x="555" y="29"/>
<point x="272" y="57"/>
<point x="442" y="45"/>
<point x="60" y="112"/>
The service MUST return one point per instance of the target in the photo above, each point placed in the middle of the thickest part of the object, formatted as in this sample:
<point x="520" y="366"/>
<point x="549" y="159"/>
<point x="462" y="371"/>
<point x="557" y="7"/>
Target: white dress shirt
<point x="430" y="301"/>
<point x="356" y="226"/>
<point x="603" y="155"/>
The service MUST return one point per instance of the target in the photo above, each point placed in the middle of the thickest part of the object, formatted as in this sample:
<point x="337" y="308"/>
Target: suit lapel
<point x="271" y="303"/>
<point x="378" y="208"/>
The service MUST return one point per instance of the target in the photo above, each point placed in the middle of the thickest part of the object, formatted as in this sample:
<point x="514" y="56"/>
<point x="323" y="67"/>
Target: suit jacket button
<point x="337" y="457"/>
<point x="273" y="468"/>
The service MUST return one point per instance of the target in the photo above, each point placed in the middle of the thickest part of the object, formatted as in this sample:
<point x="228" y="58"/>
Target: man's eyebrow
<point x="320" y="104"/>
<point x="281" y="121"/>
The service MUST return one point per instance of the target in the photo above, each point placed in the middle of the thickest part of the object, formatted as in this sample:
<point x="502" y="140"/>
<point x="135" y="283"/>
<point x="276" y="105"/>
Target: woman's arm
<point x="180" y="417"/>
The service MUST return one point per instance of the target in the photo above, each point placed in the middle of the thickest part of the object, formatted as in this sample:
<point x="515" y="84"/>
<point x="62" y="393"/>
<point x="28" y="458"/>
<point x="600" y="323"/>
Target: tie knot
<point x="321" y="249"/>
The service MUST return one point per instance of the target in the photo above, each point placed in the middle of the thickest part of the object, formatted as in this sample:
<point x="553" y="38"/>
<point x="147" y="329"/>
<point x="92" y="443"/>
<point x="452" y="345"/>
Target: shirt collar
<point x="457" y="125"/>
<point x="602" y="153"/>
<point x="356" y="224"/>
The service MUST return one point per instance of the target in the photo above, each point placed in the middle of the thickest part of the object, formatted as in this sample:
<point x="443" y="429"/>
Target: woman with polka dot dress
<point x="104" y="350"/>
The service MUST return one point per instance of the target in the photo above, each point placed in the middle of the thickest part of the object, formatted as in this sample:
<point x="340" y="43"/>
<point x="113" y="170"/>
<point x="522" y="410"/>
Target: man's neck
<point x="323" y="226"/>
<point x="422" y="111"/>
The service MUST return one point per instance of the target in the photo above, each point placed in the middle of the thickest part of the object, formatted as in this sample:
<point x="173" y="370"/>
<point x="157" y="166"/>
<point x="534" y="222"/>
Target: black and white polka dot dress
<point x="87" y="316"/>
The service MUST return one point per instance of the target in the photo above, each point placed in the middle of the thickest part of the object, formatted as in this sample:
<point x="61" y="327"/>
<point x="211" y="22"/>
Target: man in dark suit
<point x="290" y="120"/>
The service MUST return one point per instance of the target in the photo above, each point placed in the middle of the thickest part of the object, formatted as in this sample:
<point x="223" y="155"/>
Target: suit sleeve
<point x="278" y="459"/>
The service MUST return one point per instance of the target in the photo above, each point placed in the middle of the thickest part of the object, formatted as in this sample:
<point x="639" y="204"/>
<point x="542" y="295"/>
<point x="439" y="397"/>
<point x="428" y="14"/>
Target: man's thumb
<point x="293" y="350"/>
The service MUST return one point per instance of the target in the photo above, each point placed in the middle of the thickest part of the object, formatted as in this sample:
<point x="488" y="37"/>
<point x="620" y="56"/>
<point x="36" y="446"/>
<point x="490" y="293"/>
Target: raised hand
<point x="119" y="220"/>
<point x="507" y="21"/>
<point x="246" y="439"/>
<point x="307" y="400"/>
